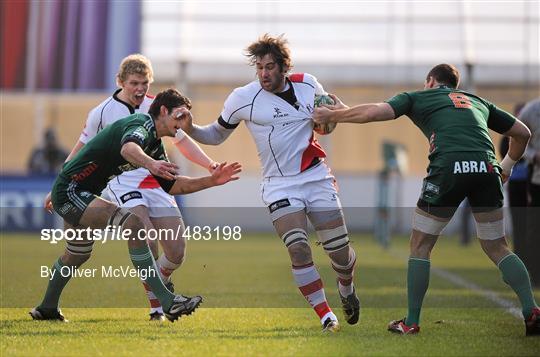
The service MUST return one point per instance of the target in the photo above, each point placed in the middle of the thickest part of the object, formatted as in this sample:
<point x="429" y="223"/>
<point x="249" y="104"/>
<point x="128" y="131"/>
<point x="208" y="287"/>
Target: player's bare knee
<point x="300" y="253"/>
<point x="342" y="256"/>
<point x="174" y="248"/>
<point x="421" y="244"/>
<point x="495" y="249"/>
<point x="135" y="224"/>
<point x="176" y="257"/>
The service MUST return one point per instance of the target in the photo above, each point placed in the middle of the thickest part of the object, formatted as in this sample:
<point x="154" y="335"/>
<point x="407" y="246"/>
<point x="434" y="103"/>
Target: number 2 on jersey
<point x="460" y="100"/>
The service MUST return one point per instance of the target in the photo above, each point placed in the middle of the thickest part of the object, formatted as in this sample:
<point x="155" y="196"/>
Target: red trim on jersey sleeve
<point x="149" y="182"/>
<point x="296" y="77"/>
<point x="150" y="96"/>
<point x="313" y="150"/>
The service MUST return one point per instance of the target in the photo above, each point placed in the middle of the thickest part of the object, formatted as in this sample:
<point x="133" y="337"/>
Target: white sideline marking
<point x="490" y="295"/>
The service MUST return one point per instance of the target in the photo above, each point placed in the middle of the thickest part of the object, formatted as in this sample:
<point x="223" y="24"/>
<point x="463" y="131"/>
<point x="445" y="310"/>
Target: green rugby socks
<point x="56" y="284"/>
<point x="144" y="262"/>
<point x="515" y="274"/>
<point x="417" y="284"/>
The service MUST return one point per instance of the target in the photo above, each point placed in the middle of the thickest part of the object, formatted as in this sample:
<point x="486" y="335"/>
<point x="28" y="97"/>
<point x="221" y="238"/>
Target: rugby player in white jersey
<point x="297" y="184"/>
<point x="138" y="190"/>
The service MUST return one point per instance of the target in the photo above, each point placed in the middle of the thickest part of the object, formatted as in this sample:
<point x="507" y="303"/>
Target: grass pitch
<point x="252" y="306"/>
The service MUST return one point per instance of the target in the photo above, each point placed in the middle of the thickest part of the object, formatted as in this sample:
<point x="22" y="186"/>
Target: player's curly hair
<point x="277" y="47"/>
<point x="170" y="98"/>
<point x="445" y="74"/>
<point x="134" y="64"/>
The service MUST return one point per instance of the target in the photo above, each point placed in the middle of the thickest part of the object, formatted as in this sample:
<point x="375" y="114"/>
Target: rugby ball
<point x="323" y="129"/>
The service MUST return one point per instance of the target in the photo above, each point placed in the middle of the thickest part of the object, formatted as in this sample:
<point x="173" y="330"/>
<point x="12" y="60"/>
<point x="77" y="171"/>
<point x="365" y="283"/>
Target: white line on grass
<point x="490" y="295"/>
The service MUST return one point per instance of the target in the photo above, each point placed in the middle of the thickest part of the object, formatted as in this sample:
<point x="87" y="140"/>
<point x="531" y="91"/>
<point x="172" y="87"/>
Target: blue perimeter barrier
<point x="21" y="203"/>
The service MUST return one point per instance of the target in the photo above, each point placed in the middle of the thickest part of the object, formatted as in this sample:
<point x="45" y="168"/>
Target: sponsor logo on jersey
<point x="279" y="114"/>
<point x="87" y="171"/>
<point x="472" y="167"/>
<point x="130" y="196"/>
<point x="65" y="208"/>
<point x="139" y="134"/>
<point x="85" y="194"/>
<point x="279" y="204"/>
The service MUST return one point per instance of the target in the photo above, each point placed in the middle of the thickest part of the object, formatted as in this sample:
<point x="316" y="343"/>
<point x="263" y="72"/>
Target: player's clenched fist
<point x="322" y="115"/>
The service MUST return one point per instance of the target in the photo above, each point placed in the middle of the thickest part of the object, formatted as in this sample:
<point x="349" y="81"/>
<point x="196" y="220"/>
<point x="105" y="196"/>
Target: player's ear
<point x="429" y="82"/>
<point x="163" y="111"/>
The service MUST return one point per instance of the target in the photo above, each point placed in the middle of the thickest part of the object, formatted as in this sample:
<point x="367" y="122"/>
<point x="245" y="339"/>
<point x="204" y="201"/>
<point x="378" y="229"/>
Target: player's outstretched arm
<point x="211" y="134"/>
<point x="193" y="152"/>
<point x="363" y="113"/>
<point x="519" y="137"/>
<point x="134" y="154"/>
<point x="222" y="174"/>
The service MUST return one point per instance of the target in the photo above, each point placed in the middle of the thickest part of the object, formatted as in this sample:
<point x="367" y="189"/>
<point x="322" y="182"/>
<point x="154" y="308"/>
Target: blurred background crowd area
<point x="59" y="60"/>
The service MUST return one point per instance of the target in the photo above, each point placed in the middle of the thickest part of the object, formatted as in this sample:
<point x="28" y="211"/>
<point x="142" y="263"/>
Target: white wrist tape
<point x="507" y="163"/>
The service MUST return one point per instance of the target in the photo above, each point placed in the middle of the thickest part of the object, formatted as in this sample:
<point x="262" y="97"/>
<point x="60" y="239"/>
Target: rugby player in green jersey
<point x="462" y="165"/>
<point x="127" y="144"/>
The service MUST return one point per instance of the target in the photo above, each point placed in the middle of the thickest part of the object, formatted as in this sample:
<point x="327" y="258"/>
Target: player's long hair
<point x="170" y="98"/>
<point x="277" y="47"/>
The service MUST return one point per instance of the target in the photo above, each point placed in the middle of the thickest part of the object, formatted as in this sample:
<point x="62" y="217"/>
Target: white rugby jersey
<point x="283" y="134"/>
<point x="106" y="113"/>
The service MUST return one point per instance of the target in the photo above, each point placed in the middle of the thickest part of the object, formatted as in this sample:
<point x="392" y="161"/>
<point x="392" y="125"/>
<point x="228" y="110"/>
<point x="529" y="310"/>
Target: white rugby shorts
<point x="312" y="190"/>
<point x="126" y="192"/>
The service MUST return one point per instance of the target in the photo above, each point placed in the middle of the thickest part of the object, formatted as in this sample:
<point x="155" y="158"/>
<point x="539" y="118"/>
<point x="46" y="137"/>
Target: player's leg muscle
<point x="292" y="229"/>
<point x="174" y="245"/>
<point x="425" y="232"/>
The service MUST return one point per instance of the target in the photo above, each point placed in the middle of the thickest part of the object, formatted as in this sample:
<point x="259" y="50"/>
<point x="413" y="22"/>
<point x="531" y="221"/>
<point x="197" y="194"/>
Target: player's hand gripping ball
<point x="323" y="129"/>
